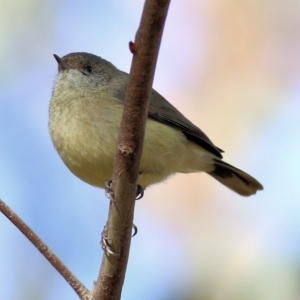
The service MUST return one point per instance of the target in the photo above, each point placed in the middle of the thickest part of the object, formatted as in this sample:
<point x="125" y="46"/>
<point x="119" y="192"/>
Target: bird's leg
<point x="110" y="195"/>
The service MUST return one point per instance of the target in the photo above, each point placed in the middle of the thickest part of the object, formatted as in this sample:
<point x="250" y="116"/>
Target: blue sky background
<point x="231" y="68"/>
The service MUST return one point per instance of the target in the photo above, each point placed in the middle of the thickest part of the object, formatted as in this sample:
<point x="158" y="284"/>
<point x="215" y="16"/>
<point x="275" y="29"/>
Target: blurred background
<point x="233" y="68"/>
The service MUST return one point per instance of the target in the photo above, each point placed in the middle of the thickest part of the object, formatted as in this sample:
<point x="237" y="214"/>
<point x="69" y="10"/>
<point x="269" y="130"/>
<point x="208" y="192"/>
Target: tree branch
<point x="77" y="286"/>
<point x="129" y="150"/>
<point x="126" y="166"/>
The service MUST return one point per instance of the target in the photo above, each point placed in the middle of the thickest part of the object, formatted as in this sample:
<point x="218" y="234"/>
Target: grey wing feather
<point x="164" y="112"/>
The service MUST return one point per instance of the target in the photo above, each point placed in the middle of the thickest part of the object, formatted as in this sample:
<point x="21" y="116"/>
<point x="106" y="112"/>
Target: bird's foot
<point x="105" y="244"/>
<point x="109" y="193"/>
<point x="106" y="247"/>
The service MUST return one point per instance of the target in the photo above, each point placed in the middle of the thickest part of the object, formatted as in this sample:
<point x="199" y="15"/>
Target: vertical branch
<point x="129" y="150"/>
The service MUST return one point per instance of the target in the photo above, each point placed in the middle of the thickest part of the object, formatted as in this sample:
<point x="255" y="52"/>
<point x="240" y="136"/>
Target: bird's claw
<point x="106" y="247"/>
<point x="139" y="192"/>
<point x="108" y="190"/>
<point x="135" y="230"/>
<point x="109" y="193"/>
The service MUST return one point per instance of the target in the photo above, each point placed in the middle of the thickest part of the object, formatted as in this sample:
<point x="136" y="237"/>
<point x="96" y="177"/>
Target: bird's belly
<point x="165" y="152"/>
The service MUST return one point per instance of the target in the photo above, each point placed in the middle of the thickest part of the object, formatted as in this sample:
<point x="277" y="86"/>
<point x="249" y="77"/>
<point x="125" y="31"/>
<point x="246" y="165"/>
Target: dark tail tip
<point x="235" y="179"/>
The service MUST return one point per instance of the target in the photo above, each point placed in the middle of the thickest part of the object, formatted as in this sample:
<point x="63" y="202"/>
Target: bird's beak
<point x="62" y="65"/>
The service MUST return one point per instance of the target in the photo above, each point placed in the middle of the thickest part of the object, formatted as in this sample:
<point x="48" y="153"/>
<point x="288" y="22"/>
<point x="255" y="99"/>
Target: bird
<point x="85" y="113"/>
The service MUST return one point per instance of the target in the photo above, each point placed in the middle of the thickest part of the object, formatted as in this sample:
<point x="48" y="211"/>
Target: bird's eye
<point x="88" y="70"/>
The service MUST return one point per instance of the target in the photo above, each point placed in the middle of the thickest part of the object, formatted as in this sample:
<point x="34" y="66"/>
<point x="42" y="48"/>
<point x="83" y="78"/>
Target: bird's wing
<point x="164" y="112"/>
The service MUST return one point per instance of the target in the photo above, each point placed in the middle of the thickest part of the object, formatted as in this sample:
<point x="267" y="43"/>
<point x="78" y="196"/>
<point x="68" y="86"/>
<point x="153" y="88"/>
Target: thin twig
<point x="77" y="286"/>
<point x="130" y="144"/>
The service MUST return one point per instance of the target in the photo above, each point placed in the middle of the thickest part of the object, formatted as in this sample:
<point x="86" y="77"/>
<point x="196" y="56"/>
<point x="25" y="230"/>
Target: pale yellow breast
<point x="84" y="132"/>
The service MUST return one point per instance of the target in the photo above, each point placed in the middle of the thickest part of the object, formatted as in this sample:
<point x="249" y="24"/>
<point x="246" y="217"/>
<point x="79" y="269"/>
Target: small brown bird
<point x="85" y="116"/>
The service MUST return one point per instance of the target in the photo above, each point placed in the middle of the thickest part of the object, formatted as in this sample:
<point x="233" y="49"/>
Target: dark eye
<point x="88" y="70"/>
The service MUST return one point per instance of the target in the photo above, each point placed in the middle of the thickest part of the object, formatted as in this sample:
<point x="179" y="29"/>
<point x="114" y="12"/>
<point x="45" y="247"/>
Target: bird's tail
<point x="235" y="179"/>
